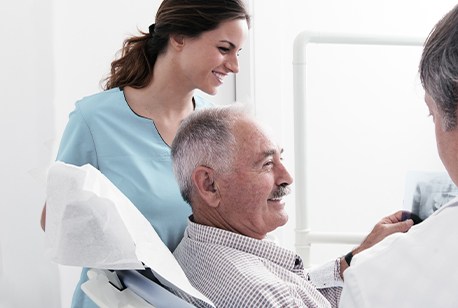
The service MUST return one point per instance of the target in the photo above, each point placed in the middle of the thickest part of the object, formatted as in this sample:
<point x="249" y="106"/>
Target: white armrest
<point x="105" y="295"/>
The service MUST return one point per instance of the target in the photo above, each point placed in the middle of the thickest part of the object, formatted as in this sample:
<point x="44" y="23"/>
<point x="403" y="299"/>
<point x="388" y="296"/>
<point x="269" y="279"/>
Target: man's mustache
<point x="281" y="191"/>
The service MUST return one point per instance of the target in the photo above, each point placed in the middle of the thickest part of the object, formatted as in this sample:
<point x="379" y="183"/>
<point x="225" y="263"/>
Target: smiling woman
<point x="126" y="131"/>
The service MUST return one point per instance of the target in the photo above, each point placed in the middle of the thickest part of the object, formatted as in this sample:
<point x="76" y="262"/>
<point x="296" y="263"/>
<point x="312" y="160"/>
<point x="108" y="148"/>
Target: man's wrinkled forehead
<point x="255" y="137"/>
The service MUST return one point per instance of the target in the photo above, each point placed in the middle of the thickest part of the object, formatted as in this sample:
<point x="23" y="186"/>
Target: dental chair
<point x="128" y="289"/>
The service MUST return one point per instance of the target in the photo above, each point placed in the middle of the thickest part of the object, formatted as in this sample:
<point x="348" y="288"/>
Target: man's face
<point x="251" y="193"/>
<point x="447" y="141"/>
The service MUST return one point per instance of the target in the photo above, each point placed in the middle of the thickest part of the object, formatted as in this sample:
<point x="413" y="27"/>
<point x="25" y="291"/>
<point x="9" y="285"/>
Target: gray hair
<point x="205" y="138"/>
<point x="439" y="67"/>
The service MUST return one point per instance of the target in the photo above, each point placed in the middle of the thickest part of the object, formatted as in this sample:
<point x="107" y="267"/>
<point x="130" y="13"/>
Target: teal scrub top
<point x="103" y="131"/>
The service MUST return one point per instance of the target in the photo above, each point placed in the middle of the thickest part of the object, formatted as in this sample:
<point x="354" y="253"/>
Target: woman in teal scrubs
<point x="126" y="131"/>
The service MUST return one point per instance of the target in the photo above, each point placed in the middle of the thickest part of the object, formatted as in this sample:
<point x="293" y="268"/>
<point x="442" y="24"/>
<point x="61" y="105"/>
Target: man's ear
<point x="177" y="41"/>
<point x="203" y="178"/>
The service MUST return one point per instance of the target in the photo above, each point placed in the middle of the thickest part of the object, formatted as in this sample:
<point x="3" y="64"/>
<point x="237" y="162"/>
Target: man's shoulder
<point x="223" y="263"/>
<point x="216" y="268"/>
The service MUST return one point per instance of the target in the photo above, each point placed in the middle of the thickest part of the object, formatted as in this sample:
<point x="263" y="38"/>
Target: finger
<point x="402" y="226"/>
<point x="405" y="215"/>
<point x="396" y="217"/>
<point x="408" y="215"/>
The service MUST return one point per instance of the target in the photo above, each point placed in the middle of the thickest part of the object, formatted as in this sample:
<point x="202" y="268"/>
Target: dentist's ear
<point x="177" y="41"/>
<point x="206" y="188"/>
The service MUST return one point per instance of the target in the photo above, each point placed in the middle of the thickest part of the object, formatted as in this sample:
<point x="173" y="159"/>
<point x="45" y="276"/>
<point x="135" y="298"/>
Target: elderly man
<point x="232" y="174"/>
<point x="419" y="268"/>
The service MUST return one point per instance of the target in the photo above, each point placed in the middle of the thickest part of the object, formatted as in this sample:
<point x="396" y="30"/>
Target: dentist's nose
<point x="232" y="64"/>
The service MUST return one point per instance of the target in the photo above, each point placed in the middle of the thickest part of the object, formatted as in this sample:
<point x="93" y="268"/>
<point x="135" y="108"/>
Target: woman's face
<point x="206" y="60"/>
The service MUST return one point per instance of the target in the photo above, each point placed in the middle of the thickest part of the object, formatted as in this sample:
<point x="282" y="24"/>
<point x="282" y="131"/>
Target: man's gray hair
<point x="205" y="138"/>
<point x="439" y="67"/>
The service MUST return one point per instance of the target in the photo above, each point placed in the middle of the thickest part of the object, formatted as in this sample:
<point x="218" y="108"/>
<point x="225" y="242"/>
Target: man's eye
<point x="268" y="164"/>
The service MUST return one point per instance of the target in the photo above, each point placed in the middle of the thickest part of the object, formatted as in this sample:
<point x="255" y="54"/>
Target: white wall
<point x="55" y="52"/>
<point x="26" y="125"/>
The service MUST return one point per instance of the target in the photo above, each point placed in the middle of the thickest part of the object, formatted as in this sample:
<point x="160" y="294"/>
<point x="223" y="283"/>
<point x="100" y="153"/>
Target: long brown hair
<point x="186" y="17"/>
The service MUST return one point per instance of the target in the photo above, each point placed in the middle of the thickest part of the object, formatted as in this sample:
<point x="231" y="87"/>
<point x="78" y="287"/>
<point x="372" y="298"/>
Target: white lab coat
<point x="414" y="269"/>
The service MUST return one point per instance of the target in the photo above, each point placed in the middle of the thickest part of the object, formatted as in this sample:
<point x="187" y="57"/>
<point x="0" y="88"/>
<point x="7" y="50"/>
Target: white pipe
<point x="332" y="238"/>
<point x="304" y="38"/>
<point x="304" y="237"/>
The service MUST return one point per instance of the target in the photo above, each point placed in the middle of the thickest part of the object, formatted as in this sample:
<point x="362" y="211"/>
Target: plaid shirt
<point x="233" y="270"/>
